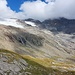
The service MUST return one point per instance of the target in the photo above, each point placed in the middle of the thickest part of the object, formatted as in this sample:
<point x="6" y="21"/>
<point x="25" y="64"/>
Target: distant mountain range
<point x="57" y="25"/>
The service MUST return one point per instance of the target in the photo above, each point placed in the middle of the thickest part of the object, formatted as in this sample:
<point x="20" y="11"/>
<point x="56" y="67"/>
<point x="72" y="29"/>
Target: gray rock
<point x="11" y="66"/>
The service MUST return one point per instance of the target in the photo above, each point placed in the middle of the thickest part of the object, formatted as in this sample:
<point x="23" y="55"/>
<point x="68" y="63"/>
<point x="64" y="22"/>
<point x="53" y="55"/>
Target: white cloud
<point x="54" y="9"/>
<point x="40" y="10"/>
<point x="5" y="11"/>
<point x="34" y="9"/>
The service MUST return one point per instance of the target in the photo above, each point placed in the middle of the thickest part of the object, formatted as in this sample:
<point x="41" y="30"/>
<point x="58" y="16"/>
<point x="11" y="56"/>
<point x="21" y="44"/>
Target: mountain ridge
<point x="56" y="25"/>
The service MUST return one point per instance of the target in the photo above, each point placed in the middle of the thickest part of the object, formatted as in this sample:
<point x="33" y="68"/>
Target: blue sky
<point x="15" y="4"/>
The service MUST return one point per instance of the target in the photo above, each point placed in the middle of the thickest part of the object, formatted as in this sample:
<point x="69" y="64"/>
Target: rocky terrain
<point x="14" y="64"/>
<point x="60" y="25"/>
<point x="56" y="25"/>
<point x="11" y="64"/>
<point x="31" y="42"/>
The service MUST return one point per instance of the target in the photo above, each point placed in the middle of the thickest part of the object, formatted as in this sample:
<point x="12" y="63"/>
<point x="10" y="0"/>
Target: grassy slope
<point x="40" y="66"/>
<point x="33" y="67"/>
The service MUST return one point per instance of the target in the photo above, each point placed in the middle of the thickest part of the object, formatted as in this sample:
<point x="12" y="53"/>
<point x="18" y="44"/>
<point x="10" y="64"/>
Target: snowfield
<point x="30" y="23"/>
<point x="14" y="23"/>
<point x="10" y="22"/>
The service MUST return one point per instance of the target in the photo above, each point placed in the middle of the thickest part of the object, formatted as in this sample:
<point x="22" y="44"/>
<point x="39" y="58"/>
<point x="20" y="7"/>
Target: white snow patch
<point x="30" y="23"/>
<point x="10" y="22"/>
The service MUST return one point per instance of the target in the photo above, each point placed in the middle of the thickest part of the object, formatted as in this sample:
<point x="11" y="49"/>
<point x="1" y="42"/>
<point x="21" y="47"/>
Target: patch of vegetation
<point x="38" y="66"/>
<point x="33" y="68"/>
<point x="60" y="68"/>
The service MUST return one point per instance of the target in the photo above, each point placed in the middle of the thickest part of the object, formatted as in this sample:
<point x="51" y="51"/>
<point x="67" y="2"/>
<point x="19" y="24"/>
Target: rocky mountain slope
<point x="60" y="25"/>
<point x="56" y="25"/>
<point x="14" y="64"/>
<point x="36" y="42"/>
<point x="55" y="52"/>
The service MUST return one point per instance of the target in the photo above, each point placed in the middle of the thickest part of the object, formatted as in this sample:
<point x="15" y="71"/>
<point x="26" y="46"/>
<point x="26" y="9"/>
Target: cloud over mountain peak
<point x="40" y="10"/>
